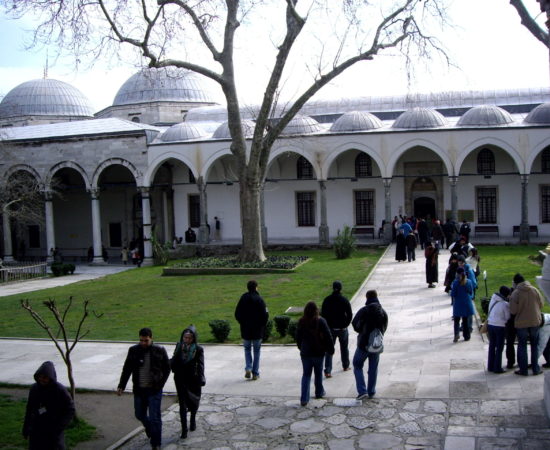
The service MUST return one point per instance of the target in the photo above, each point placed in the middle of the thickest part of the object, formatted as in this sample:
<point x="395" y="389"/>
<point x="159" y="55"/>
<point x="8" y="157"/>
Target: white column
<point x="50" y="228"/>
<point x="454" y="199"/>
<point x="8" y="250"/>
<point x="323" y="227"/>
<point x="96" y="227"/>
<point x="165" y="218"/>
<point x="146" y="209"/>
<point x="524" y="226"/>
<point x="387" y="209"/>
<point x="204" y="235"/>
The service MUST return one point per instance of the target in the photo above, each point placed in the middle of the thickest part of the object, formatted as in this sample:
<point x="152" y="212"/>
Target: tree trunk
<point x="252" y="249"/>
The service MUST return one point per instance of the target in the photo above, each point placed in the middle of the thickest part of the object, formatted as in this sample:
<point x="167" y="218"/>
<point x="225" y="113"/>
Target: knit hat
<point x="337" y="285"/>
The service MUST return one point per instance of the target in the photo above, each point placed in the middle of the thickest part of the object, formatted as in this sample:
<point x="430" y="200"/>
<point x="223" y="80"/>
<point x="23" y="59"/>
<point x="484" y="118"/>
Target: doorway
<point x="424" y="207"/>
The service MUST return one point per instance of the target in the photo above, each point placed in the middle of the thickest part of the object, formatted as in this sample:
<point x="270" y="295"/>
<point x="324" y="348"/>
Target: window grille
<point x="304" y="169"/>
<point x="194" y="211"/>
<point x="485" y="162"/>
<point x="363" y="165"/>
<point x="305" y="204"/>
<point x="364" y="207"/>
<point x="545" y="203"/>
<point x="486" y="205"/>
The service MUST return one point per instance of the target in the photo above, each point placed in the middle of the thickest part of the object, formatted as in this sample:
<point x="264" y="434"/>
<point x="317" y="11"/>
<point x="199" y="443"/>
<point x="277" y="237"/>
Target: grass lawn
<point x="136" y="298"/>
<point x="12" y="412"/>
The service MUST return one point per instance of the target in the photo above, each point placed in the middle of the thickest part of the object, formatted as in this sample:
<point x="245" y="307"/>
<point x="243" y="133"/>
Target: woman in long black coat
<point x="431" y="253"/>
<point x="188" y="367"/>
<point x="400" y="247"/>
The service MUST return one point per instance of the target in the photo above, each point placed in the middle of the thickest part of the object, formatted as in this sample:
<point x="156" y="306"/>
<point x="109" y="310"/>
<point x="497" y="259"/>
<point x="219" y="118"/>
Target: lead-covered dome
<point x="302" y="125"/>
<point x="222" y="132"/>
<point x="420" y="118"/>
<point x="182" y="132"/>
<point x="356" y="121"/>
<point x="45" y="97"/>
<point x="539" y="115"/>
<point x="167" y="84"/>
<point x="485" y="115"/>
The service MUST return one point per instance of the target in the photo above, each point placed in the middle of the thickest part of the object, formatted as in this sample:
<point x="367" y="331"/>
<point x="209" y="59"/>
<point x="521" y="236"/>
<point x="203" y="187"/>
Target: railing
<point x="22" y="272"/>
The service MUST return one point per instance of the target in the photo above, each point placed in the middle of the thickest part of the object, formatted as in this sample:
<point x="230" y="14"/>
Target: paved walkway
<point x="431" y="392"/>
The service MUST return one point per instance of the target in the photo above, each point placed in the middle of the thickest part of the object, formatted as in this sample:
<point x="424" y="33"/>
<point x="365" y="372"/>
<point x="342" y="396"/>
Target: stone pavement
<point x="431" y="392"/>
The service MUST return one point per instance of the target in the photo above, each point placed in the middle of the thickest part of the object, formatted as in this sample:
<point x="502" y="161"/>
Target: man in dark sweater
<point x="336" y="310"/>
<point x="252" y="315"/>
<point x="149" y="366"/>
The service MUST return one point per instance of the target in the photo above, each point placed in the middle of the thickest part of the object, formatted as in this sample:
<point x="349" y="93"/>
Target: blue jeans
<point x="148" y="399"/>
<point x="496" y="345"/>
<point x="465" y="327"/>
<point x="531" y="333"/>
<point x="309" y="364"/>
<point x="249" y="364"/>
<point x="358" y="361"/>
<point x="342" y="336"/>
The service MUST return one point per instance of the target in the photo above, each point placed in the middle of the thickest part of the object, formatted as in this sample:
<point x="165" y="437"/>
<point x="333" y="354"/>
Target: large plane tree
<point x="206" y="36"/>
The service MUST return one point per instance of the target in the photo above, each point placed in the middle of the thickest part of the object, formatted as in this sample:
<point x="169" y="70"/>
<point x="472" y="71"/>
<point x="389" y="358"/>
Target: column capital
<point x="387" y="182"/>
<point x="453" y="179"/>
<point x="144" y="191"/>
<point x="48" y="195"/>
<point x="524" y="178"/>
<point x="94" y="193"/>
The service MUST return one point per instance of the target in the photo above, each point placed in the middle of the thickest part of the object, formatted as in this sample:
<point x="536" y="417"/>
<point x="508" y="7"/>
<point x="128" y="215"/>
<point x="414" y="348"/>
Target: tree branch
<point x="529" y="22"/>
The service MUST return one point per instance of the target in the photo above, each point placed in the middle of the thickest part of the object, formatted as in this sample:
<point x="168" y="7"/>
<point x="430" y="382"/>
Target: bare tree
<point x="530" y="22"/>
<point x="201" y="35"/>
<point x="68" y="343"/>
<point x="21" y="198"/>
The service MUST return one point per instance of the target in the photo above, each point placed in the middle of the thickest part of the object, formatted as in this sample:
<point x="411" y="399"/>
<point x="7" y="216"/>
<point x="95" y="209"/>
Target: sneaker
<point x="519" y="372"/>
<point x="321" y="396"/>
<point x="328" y="375"/>
<point x="349" y="368"/>
<point x="538" y="372"/>
<point x="303" y="403"/>
<point x="457" y="337"/>
<point x="431" y="285"/>
<point x="361" y="396"/>
<point x="371" y="395"/>
<point x="255" y="377"/>
<point x="247" y="373"/>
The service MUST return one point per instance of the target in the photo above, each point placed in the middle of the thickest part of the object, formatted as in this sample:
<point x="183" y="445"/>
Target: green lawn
<point x="136" y="298"/>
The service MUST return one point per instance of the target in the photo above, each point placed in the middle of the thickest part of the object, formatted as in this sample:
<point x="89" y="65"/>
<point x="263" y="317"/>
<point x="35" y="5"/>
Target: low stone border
<point x="181" y="271"/>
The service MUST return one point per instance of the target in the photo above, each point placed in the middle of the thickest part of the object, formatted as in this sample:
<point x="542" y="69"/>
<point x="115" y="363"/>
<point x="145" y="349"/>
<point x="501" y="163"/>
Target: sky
<point x="488" y="46"/>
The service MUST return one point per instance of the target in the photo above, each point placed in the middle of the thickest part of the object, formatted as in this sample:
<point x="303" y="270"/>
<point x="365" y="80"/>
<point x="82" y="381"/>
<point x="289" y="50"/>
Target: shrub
<point x="344" y="244"/>
<point x="268" y="330"/>
<point x="59" y="268"/>
<point x="292" y="328"/>
<point x="69" y="268"/>
<point x="281" y="324"/>
<point x="220" y="329"/>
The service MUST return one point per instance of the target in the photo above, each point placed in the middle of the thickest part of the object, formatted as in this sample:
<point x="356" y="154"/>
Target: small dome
<point x="485" y="115"/>
<point x="539" y="115"/>
<point x="167" y="84"/>
<point x="222" y="132"/>
<point x="45" y="97"/>
<point x="182" y="132"/>
<point x="420" y="118"/>
<point x="302" y="125"/>
<point x="356" y="121"/>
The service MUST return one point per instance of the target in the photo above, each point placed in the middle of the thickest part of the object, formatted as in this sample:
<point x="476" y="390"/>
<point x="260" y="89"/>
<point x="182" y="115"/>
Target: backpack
<point x="375" y="343"/>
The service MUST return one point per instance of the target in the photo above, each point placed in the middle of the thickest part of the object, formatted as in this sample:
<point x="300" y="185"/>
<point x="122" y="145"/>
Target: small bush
<point x="292" y="328"/>
<point x="268" y="330"/>
<point x="59" y="268"/>
<point x="220" y="329"/>
<point x="281" y="324"/>
<point x="69" y="268"/>
<point x="344" y="244"/>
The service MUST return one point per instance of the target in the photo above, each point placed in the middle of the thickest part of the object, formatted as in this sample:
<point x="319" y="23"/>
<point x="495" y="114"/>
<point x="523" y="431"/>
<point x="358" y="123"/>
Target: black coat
<point x="369" y="317"/>
<point x="314" y="339"/>
<point x="336" y="310"/>
<point x="252" y="315"/>
<point x="160" y="366"/>
<point x="50" y="410"/>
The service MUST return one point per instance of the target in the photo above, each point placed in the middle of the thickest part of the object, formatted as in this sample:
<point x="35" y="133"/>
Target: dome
<point x="45" y="97"/>
<point x="167" y="84"/>
<point x="222" y="132"/>
<point x="182" y="132"/>
<point x="420" y="118"/>
<point x="356" y="121"/>
<point x="539" y="115"/>
<point x="485" y="115"/>
<point x="301" y="125"/>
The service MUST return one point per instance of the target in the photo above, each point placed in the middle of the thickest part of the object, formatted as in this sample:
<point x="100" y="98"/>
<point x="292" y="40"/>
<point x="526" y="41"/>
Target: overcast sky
<point x="489" y="46"/>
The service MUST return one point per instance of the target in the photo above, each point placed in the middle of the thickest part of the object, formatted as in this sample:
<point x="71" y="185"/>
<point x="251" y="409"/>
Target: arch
<point x="282" y="150"/>
<point x="403" y="148"/>
<point x="542" y="145"/>
<point x="65" y="165"/>
<point x="211" y="160"/>
<point x="352" y="146"/>
<point x="481" y="142"/>
<point x="160" y="160"/>
<point x="25" y="168"/>
<point x="116" y="162"/>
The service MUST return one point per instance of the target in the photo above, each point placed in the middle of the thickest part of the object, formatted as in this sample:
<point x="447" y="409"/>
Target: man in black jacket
<point x="369" y="317"/>
<point x="336" y="310"/>
<point x="149" y="366"/>
<point x="50" y="410"/>
<point x="252" y="315"/>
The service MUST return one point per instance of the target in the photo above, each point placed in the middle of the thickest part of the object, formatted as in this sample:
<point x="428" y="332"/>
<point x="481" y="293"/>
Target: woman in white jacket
<point x="499" y="313"/>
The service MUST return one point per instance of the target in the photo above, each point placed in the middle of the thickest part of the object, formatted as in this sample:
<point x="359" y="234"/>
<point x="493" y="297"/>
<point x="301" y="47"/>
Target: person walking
<point x="400" y="247"/>
<point x="423" y="233"/>
<point x="314" y="340"/>
<point x="463" y="307"/>
<point x="449" y="230"/>
<point x="252" y="315"/>
<point x="369" y="317"/>
<point x="437" y="234"/>
<point x="149" y="366"/>
<point x="410" y="243"/>
<point x="188" y="366"/>
<point x="465" y="230"/>
<point x="217" y="229"/>
<point x="50" y="410"/>
<point x="431" y="254"/>
<point x="526" y="304"/>
<point x="499" y="314"/>
<point x="336" y="310"/>
<point x="124" y="255"/>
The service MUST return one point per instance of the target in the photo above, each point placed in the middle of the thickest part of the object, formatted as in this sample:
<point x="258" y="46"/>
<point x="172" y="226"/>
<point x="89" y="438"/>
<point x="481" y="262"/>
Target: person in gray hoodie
<point x="499" y="314"/>
<point x="50" y="410"/>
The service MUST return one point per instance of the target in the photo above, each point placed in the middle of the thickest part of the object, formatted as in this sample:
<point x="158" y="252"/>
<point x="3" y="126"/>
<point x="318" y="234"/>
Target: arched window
<point x="545" y="160"/>
<point x="363" y="165"/>
<point x="485" y="162"/>
<point x="304" y="169"/>
<point x="136" y="119"/>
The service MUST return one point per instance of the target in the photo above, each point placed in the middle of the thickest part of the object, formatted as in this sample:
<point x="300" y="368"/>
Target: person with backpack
<point x="371" y="319"/>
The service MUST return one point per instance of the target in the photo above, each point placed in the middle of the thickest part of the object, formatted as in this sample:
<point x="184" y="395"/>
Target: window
<point x="363" y="165"/>
<point x="485" y="162"/>
<point x="136" y="119"/>
<point x="34" y="236"/>
<point x="545" y="160"/>
<point x="305" y="205"/>
<point x="364" y="207"/>
<point x="304" y="169"/>
<point x="545" y="203"/>
<point x="194" y="211"/>
<point x="486" y="204"/>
